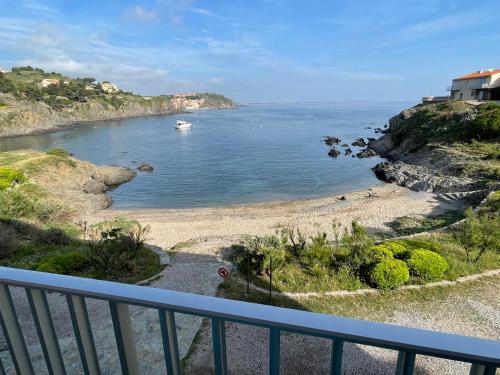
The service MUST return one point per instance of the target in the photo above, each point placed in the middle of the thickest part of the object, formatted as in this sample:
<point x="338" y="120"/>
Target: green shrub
<point x="53" y="236"/>
<point x="427" y="264"/>
<point x="8" y="241"/>
<point x="358" y="244"/>
<point x="258" y="252"/>
<point x="319" y="252"/>
<point x="70" y="263"/>
<point x="411" y="245"/>
<point x="389" y="274"/>
<point x="59" y="151"/>
<point x="8" y="176"/>
<point x="380" y="252"/>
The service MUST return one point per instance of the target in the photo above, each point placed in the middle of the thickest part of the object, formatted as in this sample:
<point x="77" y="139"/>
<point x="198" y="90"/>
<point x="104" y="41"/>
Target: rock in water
<point x="345" y="145"/>
<point x="333" y="153"/>
<point x="94" y="187"/>
<point x="360" y="142"/>
<point x="145" y="167"/>
<point x="110" y="175"/>
<point x="330" y="141"/>
<point x="348" y="152"/>
<point x="366" y="153"/>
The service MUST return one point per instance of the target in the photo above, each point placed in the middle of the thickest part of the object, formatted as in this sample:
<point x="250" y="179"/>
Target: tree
<point x="478" y="233"/>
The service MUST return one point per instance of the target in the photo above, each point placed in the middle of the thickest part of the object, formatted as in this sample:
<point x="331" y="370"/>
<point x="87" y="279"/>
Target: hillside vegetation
<point x="42" y="195"/>
<point x="26" y="107"/>
<point x="448" y="147"/>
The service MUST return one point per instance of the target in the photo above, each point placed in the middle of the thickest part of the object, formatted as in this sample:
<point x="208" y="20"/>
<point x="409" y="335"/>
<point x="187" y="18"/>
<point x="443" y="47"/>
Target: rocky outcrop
<point x="420" y="178"/>
<point x="112" y="175"/>
<point x="422" y="159"/>
<point x="366" y="153"/>
<point x="333" y="153"/>
<point x="360" y="142"/>
<point x="145" y="167"/>
<point x="348" y="151"/>
<point x="330" y="141"/>
<point x="93" y="186"/>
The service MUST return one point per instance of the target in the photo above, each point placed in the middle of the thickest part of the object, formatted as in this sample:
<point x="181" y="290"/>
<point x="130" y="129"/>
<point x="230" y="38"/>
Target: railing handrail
<point x="438" y="344"/>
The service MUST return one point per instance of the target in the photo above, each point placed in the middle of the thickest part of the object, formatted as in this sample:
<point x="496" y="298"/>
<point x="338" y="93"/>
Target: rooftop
<point x="479" y="74"/>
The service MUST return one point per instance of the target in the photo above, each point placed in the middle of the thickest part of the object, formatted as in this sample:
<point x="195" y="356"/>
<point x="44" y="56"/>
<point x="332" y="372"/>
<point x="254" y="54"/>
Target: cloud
<point x="433" y="28"/>
<point x="140" y="13"/>
<point x="38" y="7"/>
<point x="202" y="11"/>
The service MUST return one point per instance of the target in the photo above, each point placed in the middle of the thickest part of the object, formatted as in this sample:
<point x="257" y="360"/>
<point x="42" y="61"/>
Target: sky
<point x="258" y="50"/>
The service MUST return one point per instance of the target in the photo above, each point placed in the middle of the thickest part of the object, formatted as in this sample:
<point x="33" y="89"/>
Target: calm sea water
<point x="250" y="154"/>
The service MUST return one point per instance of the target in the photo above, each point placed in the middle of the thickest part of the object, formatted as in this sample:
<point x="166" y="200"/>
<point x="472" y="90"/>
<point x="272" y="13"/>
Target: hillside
<point x="27" y="107"/>
<point x="448" y="147"/>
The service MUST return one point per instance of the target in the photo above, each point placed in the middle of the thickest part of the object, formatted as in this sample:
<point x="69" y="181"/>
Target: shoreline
<point x="373" y="207"/>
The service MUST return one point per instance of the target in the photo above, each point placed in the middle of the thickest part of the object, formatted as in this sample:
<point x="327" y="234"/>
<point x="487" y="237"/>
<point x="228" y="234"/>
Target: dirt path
<point x="194" y="270"/>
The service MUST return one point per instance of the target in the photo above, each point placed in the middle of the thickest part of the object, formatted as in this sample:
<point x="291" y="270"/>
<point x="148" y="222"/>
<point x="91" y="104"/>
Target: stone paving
<point x="192" y="270"/>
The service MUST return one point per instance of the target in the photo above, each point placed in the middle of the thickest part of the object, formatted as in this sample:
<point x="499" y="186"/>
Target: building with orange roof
<point x="480" y="85"/>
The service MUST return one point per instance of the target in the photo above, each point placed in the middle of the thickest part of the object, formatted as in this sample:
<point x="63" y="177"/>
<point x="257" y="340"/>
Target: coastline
<point x="374" y="208"/>
<point x="73" y="124"/>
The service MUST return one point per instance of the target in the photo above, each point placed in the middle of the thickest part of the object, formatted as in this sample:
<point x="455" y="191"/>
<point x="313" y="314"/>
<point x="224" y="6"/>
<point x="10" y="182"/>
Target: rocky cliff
<point x="442" y="148"/>
<point x="22" y="117"/>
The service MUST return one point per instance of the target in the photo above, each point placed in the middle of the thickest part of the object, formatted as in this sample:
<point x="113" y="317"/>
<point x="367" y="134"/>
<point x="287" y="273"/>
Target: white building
<point x="109" y="87"/>
<point x="4" y="71"/>
<point x="49" y="81"/>
<point x="480" y="85"/>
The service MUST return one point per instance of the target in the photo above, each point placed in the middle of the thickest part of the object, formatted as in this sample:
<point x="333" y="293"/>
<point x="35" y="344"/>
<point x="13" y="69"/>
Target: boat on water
<point x="181" y="124"/>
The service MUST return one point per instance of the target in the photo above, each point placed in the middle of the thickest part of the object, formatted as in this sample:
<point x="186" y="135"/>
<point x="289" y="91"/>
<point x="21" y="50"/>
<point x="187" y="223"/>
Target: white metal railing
<point x="484" y="355"/>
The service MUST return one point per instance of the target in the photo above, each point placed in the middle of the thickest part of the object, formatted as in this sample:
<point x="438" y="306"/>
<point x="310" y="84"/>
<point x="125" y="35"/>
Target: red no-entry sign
<point x="223" y="272"/>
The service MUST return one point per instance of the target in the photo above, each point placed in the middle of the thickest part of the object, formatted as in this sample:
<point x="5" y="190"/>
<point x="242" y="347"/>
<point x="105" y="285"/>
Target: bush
<point x="380" y="252"/>
<point x="390" y="273"/>
<point x="53" y="236"/>
<point x="397" y="248"/>
<point x="427" y="264"/>
<point x="358" y="244"/>
<point x="8" y="241"/>
<point x="70" y="263"/>
<point x="8" y="176"/>
<point x="319" y="252"/>
<point x="260" y="250"/>
<point x="59" y="151"/>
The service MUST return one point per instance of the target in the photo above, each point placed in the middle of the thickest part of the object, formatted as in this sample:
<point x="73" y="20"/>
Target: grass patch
<point x="407" y="225"/>
<point x="375" y="307"/>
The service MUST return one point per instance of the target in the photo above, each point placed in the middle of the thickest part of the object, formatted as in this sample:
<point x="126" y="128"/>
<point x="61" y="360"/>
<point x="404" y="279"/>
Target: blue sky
<point x="258" y="50"/>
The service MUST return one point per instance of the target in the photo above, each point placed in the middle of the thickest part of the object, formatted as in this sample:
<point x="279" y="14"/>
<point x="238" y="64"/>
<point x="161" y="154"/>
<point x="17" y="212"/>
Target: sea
<point x="253" y="153"/>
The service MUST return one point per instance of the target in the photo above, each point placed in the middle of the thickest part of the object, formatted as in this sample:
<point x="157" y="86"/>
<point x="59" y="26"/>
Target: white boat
<point x="180" y="124"/>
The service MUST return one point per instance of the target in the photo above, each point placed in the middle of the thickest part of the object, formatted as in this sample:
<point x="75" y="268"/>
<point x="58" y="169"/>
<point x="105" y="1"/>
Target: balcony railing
<point x="484" y="355"/>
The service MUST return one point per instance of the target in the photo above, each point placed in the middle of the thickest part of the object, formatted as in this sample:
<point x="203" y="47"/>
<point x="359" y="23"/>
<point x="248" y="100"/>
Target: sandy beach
<point x="374" y="208"/>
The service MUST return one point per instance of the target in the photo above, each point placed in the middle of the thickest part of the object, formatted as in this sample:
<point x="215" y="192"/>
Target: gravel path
<point x="471" y="309"/>
<point x="193" y="270"/>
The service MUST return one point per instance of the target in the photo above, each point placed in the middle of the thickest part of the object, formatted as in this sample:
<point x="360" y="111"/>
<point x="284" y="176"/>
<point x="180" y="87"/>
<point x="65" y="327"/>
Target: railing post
<point x="2" y="369"/>
<point x="13" y="334"/>
<point x="336" y="358"/>
<point x="482" y="370"/>
<point x="83" y="334"/>
<point x="170" y="344"/>
<point x="46" y="331"/>
<point x="406" y="363"/>
<point x="124" y="335"/>
<point x="219" y="345"/>
<point x="274" y="351"/>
